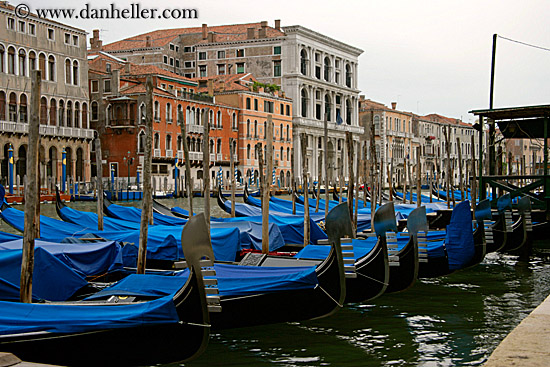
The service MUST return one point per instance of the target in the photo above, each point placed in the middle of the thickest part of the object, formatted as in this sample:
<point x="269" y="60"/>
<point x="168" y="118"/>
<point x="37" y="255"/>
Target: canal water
<point x="457" y="320"/>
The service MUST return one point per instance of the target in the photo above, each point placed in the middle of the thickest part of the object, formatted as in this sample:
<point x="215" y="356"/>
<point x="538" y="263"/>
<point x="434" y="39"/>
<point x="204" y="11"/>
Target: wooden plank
<point x="32" y="192"/>
<point x="147" y="205"/>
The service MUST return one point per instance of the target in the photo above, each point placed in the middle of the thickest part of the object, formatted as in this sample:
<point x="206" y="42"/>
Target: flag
<point x="338" y="118"/>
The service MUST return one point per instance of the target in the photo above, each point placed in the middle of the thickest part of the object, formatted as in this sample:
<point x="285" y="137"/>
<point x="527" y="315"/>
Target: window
<point x="11" y="60"/>
<point x="156" y="111"/>
<point x="277" y="50"/>
<point x="202" y="55"/>
<point x="67" y="39"/>
<point x="221" y="69"/>
<point x="248" y="106"/>
<point x="327" y="69"/>
<point x="75" y="73"/>
<point x="108" y="67"/>
<point x="172" y="46"/>
<point x="51" y="68"/>
<point x="23" y="108"/>
<point x="348" y="76"/>
<point x="177" y="63"/>
<point x="67" y="71"/>
<point x="255" y="105"/>
<point x="2" y="54"/>
<point x="107" y="85"/>
<point x="268" y="106"/>
<point x="288" y="110"/>
<point x="239" y="52"/>
<point x="42" y="65"/>
<point x="22" y="62"/>
<point x="21" y="26"/>
<point x="171" y="61"/>
<point x="188" y="64"/>
<point x="75" y="40"/>
<point x="11" y="24"/>
<point x="187" y="49"/>
<point x="240" y="68"/>
<point x="141" y="141"/>
<point x="277" y="68"/>
<point x="202" y="71"/>
<point x="51" y="34"/>
<point x="169" y="113"/>
<point x="304" y="103"/>
<point x="177" y="48"/>
<point x="303" y="62"/>
<point x="221" y="54"/>
<point x="165" y="59"/>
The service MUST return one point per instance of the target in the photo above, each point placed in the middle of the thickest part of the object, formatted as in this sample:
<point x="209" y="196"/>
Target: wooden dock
<point x="527" y="345"/>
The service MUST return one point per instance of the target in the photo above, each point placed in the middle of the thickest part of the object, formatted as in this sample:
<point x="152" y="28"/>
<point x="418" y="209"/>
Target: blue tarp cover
<point x="86" y="258"/>
<point x="233" y="280"/>
<point x="163" y="242"/>
<point x="52" y="280"/>
<point x="5" y="237"/>
<point x="16" y="318"/>
<point x="460" y="239"/>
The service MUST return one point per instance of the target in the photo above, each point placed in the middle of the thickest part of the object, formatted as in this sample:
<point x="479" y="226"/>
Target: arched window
<point x="281" y="154"/>
<point x="70" y="114"/>
<point x="53" y="112"/>
<point x="255" y="128"/>
<point x="328" y="106"/>
<point x="188" y="119"/>
<point x="157" y="111"/>
<point x="157" y="141"/>
<point x="348" y="112"/>
<point x="68" y="71"/>
<point x="376" y="122"/>
<point x="77" y="114"/>
<point x="198" y="118"/>
<point x="234" y="121"/>
<point x="11" y="60"/>
<point x="179" y="143"/>
<point x="219" y="117"/>
<point x="348" y="76"/>
<point x="304" y="103"/>
<point x="211" y="119"/>
<point x="23" y="108"/>
<point x="168" y="142"/>
<point x="303" y="62"/>
<point x="51" y="68"/>
<point x="142" y="113"/>
<point x="248" y="128"/>
<point x="61" y="113"/>
<point x="2" y="105"/>
<point x="2" y="55"/>
<point x="248" y="151"/>
<point x="288" y="154"/>
<point x="180" y="114"/>
<point x="281" y="132"/>
<point x="168" y="113"/>
<point x="42" y="65"/>
<point x="84" y="116"/>
<point x="108" y="114"/>
<point x="13" y="107"/>
<point x="75" y="73"/>
<point x="32" y="61"/>
<point x="95" y="111"/>
<point x="22" y="62"/>
<point x="43" y="111"/>
<point x="326" y="70"/>
<point x="219" y="147"/>
<point x="211" y="146"/>
<point x="288" y="132"/>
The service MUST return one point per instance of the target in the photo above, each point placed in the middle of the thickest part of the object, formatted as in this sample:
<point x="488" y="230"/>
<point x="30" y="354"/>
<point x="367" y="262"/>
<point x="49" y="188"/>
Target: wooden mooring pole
<point x="473" y="174"/>
<point x="146" y="210"/>
<point x="448" y="174"/>
<point x="232" y="175"/>
<point x="183" y="128"/>
<point x="373" y="180"/>
<point x="304" y="186"/>
<point x="460" y="175"/>
<point x="266" y="184"/>
<point x="99" y="177"/>
<point x="418" y="178"/>
<point x="32" y="193"/>
<point x="325" y="154"/>
<point x="293" y="179"/>
<point x="349" y="146"/>
<point x="206" y="164"/>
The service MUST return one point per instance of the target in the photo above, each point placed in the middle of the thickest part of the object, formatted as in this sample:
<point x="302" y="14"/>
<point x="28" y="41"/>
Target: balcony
<point x="212" y="157"/>
<point x="196" y="97"/>
<point x="219" y="157"/>
<point x="195" y="156"/>
<point x="169" y="153"/>
<point x="122" y="123"/>
<point x="156" y="153"/>
<point x="46" y="130"/>
<point x="192" y="128"/>
<point x="180" y="155"/>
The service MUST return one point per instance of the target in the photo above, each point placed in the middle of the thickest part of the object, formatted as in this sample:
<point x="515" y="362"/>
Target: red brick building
<point x="255" y="101"/>
<point x="118" y="92"/>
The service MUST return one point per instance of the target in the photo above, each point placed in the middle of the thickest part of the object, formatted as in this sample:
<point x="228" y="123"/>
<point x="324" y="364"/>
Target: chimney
<point x="204" y="31"/>
<point x="264" y="24"/>
<point x="211" y="37"/>
<point x="128" y="68"/>
<point x="393" y="105"/>
<point x="95" y="43"/>
<point x="115" y="81"/>
<point x="362" y="97"/>
<point x="278" y="24"/>
<point x="250" y="33"/>
<point x="210" y="86"/>
<point x="148" y="41"/>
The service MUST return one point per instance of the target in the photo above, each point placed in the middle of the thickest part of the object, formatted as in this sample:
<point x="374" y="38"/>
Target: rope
<point x="376" y="280"/>
<point x="329" y="296"/>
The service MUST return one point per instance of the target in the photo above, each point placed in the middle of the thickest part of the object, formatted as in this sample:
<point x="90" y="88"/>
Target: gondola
<point x="162" y="209"/>
<point x="121" y="330"/>
<point x="520" y="240"/>
<point x="403" y="263"/>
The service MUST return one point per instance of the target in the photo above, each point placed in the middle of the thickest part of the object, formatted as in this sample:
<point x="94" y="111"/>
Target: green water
<point x="457" y="320"/>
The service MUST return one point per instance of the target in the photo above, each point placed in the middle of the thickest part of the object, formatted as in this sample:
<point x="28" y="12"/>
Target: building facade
<point x="59" y="52"/>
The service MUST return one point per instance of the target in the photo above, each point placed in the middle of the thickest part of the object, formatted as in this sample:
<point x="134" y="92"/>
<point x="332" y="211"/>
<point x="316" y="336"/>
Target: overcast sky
<point x="429" y="56"/>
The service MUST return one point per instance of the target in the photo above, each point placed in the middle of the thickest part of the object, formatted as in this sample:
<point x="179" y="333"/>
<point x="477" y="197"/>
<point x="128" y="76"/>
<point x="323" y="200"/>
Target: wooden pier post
<point x="390" y="179"/>
<point x="473" y="174"/>
<point x="32" y="192"/>
<point x="260" y="155"/>
<point x="305" y="189"/>
<point x="349" y="146"/>
<point x="293" y="179"/>
<point x="341" y="178"/>
<point x="99" y="165"/>
<point x="232" y="175"/>
<point x="206" y="164"/>
<point x="356" y="197"/>
<point x="183" y="128"/>
<point x="418" y="178"/>
<point x="325" y="154"/>
<point x="366" y="171"/>
<point x="374" y="169"/>
<point x="460" y="175"/>
<point x="146" y="210"/>
<point x="447" y="133"/>
<point x="319" y="173"/>
<point x="499" y="167"/>
<point x="266" y="184"/>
